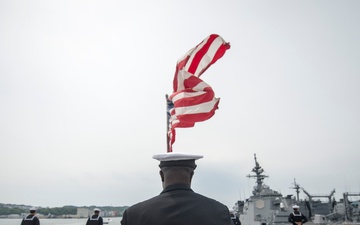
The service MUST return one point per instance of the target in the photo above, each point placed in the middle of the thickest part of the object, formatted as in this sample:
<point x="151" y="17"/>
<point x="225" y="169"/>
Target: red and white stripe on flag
<point x="193" y="99"/>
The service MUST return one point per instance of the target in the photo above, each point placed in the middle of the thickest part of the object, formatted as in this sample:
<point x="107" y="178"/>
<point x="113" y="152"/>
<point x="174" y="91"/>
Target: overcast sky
<point x="83" y="84"/>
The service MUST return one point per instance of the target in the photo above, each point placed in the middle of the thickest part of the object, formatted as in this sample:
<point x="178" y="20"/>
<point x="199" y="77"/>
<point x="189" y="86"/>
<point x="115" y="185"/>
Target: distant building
<point x="13" y="216"/>
<point x="83" y="212"/>
<point x="112" y="213"/>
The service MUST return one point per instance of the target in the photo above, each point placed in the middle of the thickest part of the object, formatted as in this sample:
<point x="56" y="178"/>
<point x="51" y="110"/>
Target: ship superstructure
<point x="268" y="207"/>
<point x="265" y="206"/>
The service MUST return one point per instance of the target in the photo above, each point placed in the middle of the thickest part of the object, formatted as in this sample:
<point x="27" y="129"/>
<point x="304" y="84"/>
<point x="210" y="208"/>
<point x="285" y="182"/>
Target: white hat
<point x="96" y="209"/>
<point x="175" y="156"/>
<point x="177" y="159"/>
<point x="296" y="206"/>
<point x="32" y="209"/>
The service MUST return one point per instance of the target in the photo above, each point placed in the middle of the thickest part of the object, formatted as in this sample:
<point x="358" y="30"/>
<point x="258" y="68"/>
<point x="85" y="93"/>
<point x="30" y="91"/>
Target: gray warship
<point x="269" y="207"/>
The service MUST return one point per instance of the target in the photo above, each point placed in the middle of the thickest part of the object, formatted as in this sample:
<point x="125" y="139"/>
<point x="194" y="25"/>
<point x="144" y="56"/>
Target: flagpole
<point x="167" y="124"/>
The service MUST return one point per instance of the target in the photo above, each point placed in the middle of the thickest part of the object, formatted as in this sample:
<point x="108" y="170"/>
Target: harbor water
<point x="114" y="221"/>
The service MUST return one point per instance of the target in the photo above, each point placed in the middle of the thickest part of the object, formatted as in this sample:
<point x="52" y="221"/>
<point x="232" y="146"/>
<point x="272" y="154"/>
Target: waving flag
<point x="193" y="100"/>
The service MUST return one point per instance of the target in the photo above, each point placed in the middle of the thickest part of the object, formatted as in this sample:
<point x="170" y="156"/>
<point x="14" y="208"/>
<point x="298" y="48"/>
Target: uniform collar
<point x="174" y="187"/>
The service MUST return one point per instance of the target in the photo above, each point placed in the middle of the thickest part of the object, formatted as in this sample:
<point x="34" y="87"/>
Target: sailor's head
<point x="296" y="207"/>
<point x="96" y="210"/>
<point x="232" y="214"/>
<point x="32" y="210"/>
<point x="176" y="167"/>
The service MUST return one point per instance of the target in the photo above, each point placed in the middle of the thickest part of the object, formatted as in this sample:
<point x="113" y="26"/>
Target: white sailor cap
<point x="296" y="206"/>
<point x="32" y="209"/>
<point x="96" y="210"/>
<point x="177" y="159"/>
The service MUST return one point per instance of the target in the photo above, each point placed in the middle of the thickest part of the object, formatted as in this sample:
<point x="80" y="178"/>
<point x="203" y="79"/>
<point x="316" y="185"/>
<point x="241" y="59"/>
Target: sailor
<point x="296" y="217"/>
<point x="95" y="219"/>
<point x="31" y="219"/>
<point x="177" y="204"/>
<point x="234" y="218"/>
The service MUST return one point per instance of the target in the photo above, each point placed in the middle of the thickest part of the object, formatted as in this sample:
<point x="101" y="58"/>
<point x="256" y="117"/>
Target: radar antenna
<point x="258" y="175"/>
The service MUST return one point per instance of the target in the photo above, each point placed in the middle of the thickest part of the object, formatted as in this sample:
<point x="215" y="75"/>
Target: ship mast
<point x="297" y="188"/>
<point x="259" y="177"/>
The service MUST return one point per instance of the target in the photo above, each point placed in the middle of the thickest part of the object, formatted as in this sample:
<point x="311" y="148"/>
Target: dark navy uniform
<point x="297" y="217"/>
<point x="177" y="204"/>
<point x="95" y="220"/>
<point x="30" y="220"/>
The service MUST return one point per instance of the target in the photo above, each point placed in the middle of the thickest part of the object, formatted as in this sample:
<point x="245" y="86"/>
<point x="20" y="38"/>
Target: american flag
<point x="193" y="100"/>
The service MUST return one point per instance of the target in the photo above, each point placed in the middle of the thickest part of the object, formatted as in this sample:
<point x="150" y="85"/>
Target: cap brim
<point x="176" y="156"/>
